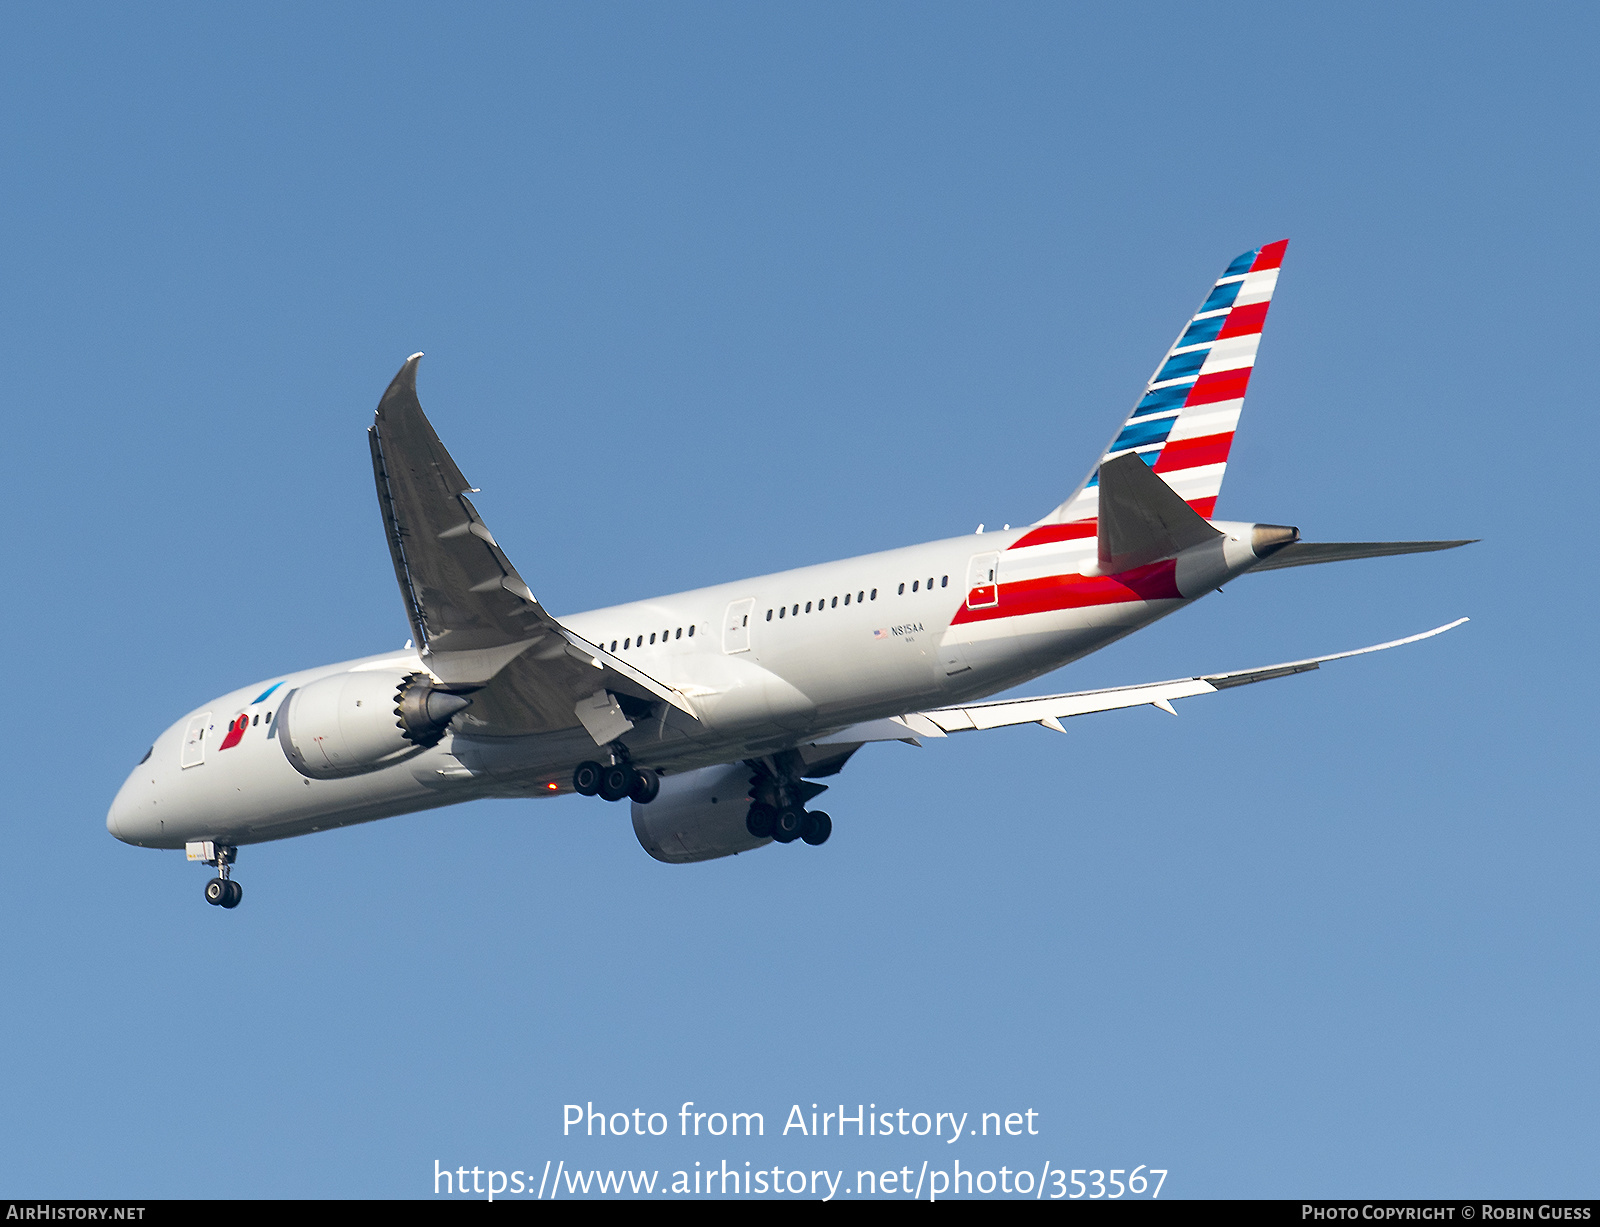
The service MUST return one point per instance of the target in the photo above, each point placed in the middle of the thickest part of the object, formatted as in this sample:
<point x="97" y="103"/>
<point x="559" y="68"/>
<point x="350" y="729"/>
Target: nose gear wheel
<point x="222" y="890"/>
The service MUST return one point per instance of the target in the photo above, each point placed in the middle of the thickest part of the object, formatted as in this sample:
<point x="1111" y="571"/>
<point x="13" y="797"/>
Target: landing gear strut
<point x="222" y="890"/>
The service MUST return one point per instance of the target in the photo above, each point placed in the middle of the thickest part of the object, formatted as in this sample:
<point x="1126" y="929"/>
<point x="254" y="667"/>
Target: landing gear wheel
<point x="759" y="821"/>
<point x="816" y="828"/>
<point x="787" y="827"/>
<point x="216" y="891"/>
<point x="645" y="786"/>
<point x="235" y="894"/>
<point x="615" y="781"/>
<point x="586" y="779"/>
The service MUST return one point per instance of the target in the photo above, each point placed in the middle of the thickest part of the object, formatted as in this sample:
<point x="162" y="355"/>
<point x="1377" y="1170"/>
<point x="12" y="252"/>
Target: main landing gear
<point x="615" y="781"/>
<point x="222" y="890"/>
<point x="788" y="823"/>
<point x="778" y="796"/>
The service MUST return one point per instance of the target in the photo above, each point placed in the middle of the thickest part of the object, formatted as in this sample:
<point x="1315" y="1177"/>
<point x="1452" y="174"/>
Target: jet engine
<point x="698" y="816"/>
<point x="353" y="723"/>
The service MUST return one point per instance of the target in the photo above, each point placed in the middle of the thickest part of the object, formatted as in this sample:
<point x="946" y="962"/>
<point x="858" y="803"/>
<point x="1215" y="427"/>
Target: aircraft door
<point x="983" y="581"/>
<point x="194" y="741"/>
<point x="736" y="626"/>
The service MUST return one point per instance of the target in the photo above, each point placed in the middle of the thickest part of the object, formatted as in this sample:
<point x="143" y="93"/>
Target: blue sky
<point x="713" y="290"/>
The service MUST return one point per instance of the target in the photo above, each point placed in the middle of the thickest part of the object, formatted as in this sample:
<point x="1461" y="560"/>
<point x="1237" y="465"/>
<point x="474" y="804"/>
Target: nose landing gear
<point x="222" y="890"/>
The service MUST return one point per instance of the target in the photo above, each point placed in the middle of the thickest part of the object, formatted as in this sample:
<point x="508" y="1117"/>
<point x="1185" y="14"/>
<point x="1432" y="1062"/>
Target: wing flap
<point x="1060" y="706"/>
<point x="1052" y="708"/>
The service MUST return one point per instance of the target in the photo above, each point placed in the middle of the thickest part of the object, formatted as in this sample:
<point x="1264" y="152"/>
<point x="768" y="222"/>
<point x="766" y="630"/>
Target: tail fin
<point x="1183" y="425"/>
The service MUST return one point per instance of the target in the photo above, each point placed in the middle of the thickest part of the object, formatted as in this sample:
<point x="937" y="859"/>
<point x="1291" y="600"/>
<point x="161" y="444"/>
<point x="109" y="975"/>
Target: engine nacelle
<point x="698" y="816"/>
<point x="353" y="723"/>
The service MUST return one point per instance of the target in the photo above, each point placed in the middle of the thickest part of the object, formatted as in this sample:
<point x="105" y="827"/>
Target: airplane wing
<point x="478" y="627"/>
<point x="1050" y="710"/>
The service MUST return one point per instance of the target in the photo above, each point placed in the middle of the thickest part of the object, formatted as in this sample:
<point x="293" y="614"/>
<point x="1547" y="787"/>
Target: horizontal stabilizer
<point x="1142" y="519"/>
<point x="1305" y="553"/>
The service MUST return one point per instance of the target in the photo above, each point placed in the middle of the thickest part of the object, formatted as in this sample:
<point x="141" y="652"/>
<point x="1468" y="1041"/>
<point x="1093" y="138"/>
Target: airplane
<point x="718" y="712"/>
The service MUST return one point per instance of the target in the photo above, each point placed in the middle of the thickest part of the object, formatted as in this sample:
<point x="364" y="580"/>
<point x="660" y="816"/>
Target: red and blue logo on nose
<point x="241" y="722"/>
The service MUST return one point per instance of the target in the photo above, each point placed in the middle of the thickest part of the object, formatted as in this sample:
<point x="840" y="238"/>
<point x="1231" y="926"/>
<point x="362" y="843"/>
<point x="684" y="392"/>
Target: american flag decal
<point x="881" y="634"/>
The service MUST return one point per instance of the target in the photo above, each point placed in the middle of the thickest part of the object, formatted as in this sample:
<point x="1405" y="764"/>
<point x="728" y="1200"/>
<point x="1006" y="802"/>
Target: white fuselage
<point x="860" y="639"/>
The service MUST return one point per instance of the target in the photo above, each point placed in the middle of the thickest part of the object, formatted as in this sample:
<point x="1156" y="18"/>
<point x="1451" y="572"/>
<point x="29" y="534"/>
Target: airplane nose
<point x="123" y="818"/>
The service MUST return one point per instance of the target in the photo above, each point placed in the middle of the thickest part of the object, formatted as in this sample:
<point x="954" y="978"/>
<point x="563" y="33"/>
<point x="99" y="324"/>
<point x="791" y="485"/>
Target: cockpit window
<point x="147" y="755"/>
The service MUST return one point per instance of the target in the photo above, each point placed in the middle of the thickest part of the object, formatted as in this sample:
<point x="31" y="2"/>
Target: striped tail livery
<point x="1183" y="425"/>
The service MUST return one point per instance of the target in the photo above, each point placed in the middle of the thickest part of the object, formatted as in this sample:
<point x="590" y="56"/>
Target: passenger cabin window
<point x="808" y="606"/>
<point x="652" y="636"/>
<point x="746" y="622"/>
<point x="847" y="598"/>
<point x="835" y="604"/>
<point x="914" y="585"/>
<point x="944" y="581"/>
<point x="783" y="611"/>
<point x="769" y="615"/>
<point x="874" y="594"/>
<point x="678" y="634"/>
<point x="930" y="583"/>
<point x="902" y="591"/>
<point x="797" y="607"/>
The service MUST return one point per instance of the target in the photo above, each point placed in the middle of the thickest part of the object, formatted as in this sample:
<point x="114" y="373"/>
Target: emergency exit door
<point x="983" y="581"/>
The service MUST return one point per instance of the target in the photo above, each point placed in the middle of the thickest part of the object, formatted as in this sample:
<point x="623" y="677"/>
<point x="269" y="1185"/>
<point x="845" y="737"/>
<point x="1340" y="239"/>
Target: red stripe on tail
<point x="1271" y="256"/>
<point x="1220" y="385"/>
<point x="1242" y="321"/>
<point x="1190" y="453"/>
